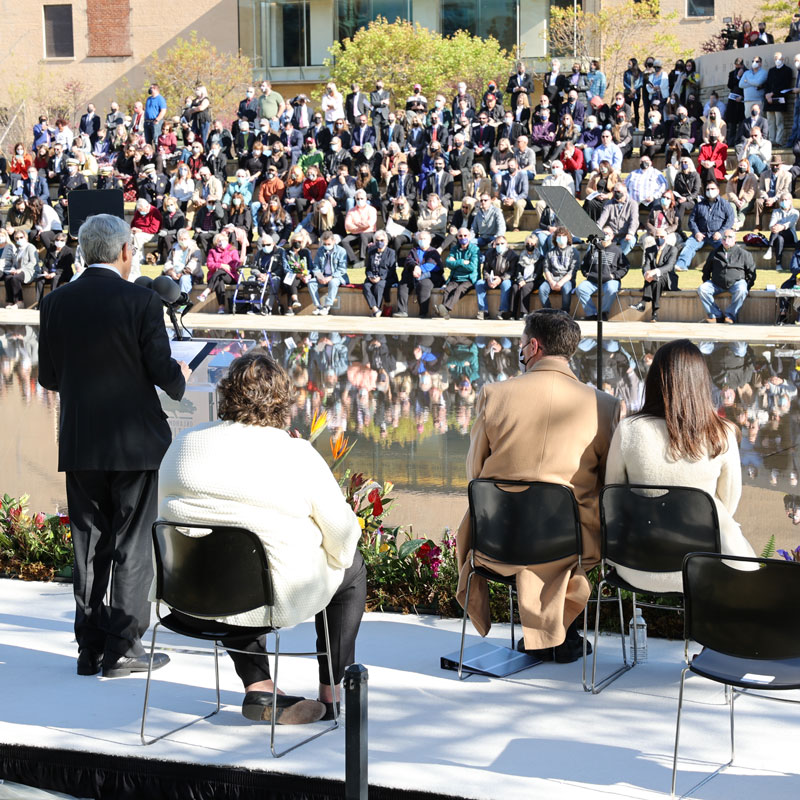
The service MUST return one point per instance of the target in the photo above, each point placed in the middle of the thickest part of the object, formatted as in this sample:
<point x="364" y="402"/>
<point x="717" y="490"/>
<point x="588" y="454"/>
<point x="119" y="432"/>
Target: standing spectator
<point x="710" y="217"/>
<point x="753" y="82"/>
<point x="519" y="83"/>
<point x="155" y="109"/>
<point x="554" y="84"/>
<point x="632" y="81"/>
<point x="499" y="269"/>
<point x="380" y="272"/>
<point x="463" y="264"/>
<point x="90" y="124"/>
<point x="223" y="269"/>
<point x="560" y="270"/>
<point x="201" y="114"/>
<point x="597" y="81"/>
<point x="607" y="264"/>
<point x="734" y="110"/>
<point x="783" y="230"/>
<point x="764" y="37"/>
<point x="271" y="105"/>
<point x="776" y="90"/>
<point x="330" y="269"/>
<point x="794" y="136"/>
<point x="658" y="265"/>
<point x="43" y="133"/>
<point x="729" y="268"/>
<point x="331" y="104"/>
<point x="379" y="109"/>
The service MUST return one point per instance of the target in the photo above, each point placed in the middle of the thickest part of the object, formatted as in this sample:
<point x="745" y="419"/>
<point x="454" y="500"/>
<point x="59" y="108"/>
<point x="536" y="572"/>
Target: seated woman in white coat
<point x="246" y="470"/>
<point x="678" y="439"/>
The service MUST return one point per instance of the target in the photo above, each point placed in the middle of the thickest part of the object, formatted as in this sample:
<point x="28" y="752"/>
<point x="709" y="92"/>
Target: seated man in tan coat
<point x="544" y="425"/>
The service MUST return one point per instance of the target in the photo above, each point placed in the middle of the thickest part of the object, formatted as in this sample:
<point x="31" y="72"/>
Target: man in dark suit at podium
<point x="104" y="348"/>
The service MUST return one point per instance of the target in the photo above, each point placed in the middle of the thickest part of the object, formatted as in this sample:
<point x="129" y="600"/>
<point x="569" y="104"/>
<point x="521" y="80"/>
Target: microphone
<point x="167" y="290"/>
<point x="143" y="280"/>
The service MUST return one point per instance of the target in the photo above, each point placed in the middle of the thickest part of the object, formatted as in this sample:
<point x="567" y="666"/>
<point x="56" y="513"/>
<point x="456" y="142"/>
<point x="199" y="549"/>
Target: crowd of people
<point x="422" y="194"/>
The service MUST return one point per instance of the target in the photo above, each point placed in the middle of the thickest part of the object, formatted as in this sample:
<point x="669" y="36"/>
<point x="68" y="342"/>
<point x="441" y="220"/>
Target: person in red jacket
<point x="145" y="225"/>
<point x="712" y="157"/>
<point x="223" y="269"/>
<point x="314" y="188"/>
<point x="574" y="164"/>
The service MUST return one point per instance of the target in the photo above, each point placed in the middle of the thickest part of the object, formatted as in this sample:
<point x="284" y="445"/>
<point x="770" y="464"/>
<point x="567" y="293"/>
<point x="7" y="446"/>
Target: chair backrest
<point x="745" y="614"/>
<point x="210" y="571"/>
<point x="524" y="522"/>
<point x="652" y="528"/>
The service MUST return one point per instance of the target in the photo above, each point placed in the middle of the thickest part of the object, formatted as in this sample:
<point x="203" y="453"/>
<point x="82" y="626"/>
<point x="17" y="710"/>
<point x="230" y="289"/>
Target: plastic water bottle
<point x="637" y="637"/>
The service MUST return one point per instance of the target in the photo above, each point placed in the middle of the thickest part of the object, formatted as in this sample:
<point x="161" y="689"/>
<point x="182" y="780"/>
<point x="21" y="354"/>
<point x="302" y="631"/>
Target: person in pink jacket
<point x="360" y="224"/>
<point x="223" y="268"/>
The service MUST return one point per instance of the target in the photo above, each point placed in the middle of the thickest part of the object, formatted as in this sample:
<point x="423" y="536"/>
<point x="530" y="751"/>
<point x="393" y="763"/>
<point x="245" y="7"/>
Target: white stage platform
<point x="534" y="735"/>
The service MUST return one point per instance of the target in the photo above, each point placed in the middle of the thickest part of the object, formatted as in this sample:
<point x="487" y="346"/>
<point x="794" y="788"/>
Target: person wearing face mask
<point x="241" y="186"/>
<point x="588" y="139"/>
<point x="145" y="225"/>
<point x="184" y="262"/>
<point x="401" y="185"/>
<point x="752" y="83"/>
<point x="713" y="119"/>
<point x="499" y="269"/>
<point x="646" y="184"/>
<point x="741" y="192"/>
<point x="72" y="180"/>
<point x="208" y="223"/>
<point x="181" y="186"/>
<point x="152" y="186"/>
<point x="658" y="265"/>
<point x="547" y="220"/>
<point x="18" y="166"/>
<point x="463" y="262"/>
<point x="607" y="264"/>
<point x="269" y="266"/>
<point x="422" y="272"/>
<point x="709" y="219"/>
<point x="20" y="266"/>
<point x="730" y="268"/>
<point x="247" y="111"/>
<point x="57" y="267"/>
<point x="222" y="265"/>
<point x="380" y="273"/>
<point x="239" y="215"/>
<point x="794" y="135"/>
<point x="783" y="230"/>
<point x="559" y="270"/>
<point x="360" y="225"/>
<point x="543" y="135"/>
<point x="685" y="130"/>
<point x="772" y="184"/>
<point x="330" y="270"/>
<point x="172" y="222"/>
<point x="621" y="216"/>
<point x="514" y="194"/>
<point x="664" y="215"/>
<point x="597" y="82"/>
<point x="654" y="136"/>
<point x="776" y="91"/>
<point x="713" y="157"/>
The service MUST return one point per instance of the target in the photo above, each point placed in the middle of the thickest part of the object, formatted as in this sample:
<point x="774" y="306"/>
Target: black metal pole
<point x="599" y="252"/>
<point x="356" y="786"/>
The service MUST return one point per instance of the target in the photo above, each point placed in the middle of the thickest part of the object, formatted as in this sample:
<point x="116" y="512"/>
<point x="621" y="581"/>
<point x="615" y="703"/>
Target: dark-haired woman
<point x="678" y="439"/>
<point x="309" y="532"/>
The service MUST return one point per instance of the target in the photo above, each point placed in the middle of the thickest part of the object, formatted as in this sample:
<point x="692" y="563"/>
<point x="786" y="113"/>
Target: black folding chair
<point x="647" y="528"/>
<point x="212" y="572"/>
<point x="748" y="625"/>
<point x="519" y="522"/>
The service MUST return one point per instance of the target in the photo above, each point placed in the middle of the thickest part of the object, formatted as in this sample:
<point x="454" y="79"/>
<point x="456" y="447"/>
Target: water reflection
<point x="408" y="403"/>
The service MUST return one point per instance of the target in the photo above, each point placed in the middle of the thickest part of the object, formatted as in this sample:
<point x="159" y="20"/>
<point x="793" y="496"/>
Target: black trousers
<point x="111" y="515"/>
<point x="424" y="288"/>
<point x="454" y="291"/>
<point x="363" y="240"/>
<point x="13" y="285"/>
<point x="521" y="297"/>
<point x="373" y="293"/>
<point x="219" y="280"/>
<point x="344" y="618"/>
<point x="651" y="292"/>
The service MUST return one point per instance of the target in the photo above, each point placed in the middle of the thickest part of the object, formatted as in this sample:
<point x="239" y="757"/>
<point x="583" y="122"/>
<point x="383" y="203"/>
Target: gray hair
<point x="101" y="238"/>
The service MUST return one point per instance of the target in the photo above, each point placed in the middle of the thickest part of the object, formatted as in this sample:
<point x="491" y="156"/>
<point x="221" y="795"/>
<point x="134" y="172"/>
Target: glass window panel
<point x="496" y="18"/>
<point x="290" y="34"/>
<point x="699" y="8"/>
<point x="459" y="16"/>
<point x="58" y="31"/>
<point x="352" y="15"/>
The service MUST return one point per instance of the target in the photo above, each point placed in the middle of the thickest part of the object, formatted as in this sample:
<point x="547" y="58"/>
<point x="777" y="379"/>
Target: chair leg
<point x="511" y="614"/>
<point x="147" y="695"/>
<point x="677" y="733"/>
<point x="597" y="686"/>
<point x="464" y="630"/>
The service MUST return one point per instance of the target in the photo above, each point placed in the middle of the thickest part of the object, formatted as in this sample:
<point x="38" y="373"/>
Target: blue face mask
<point x="561" y="241"/>
<point x="463" y="240"/>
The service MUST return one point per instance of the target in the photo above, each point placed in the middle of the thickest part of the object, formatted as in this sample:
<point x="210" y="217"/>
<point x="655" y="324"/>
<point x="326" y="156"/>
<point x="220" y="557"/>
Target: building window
<point x="699" y="8"/>
<point x="484" y="18"/>
<point x="58" y="31"/>
<point x="354" y="14"/>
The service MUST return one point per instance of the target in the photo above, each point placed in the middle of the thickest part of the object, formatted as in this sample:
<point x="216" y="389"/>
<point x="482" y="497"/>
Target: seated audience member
<point x="440" y="182"/>
<point x="727" y="269"/>
<point x="664" y="215"/>
<point x="45" y="223"/>
<point x="314" y="188"/>
<point x="184" y="262"/>
<point x="654" y="135"/>
<point x="565" y="441"/>
<point x="658" y="265"/>
<point x="527" y="277"/>
<point x="621" y="215"/>
<point x="646" y="184"/>
<point x="34" y="185"/>
<point x="58" y="266"/>
<point x="589" y="139"/>
<point x="574" y="165"/>
<point x="341" y="190"/>
<point x="710" y="217"/>
<point x="679" y="439"/>
<point x="360" y="225"/>
<point x="422" y="272"/>
<point x="20" y="261"/>
<point x="321" y="218"/>
<point x="400" y="223"/>
<point x="557" y="177"/>
<point x="714" y="120"/>
<point x="172" y="222"/>
<point x="72" y="180"/>
<point x="461" y="158"/>
<point x="223" y="269"/>
<point x="713" y="157"/>
<point x="559" y="270"/>
<point x="543" y="135"/>
<point x="271" y="186"/>
<point x="329" y="270"/>
<point x="622" y="134"/>
<point x="479" y="184"/>
<point x="567" y="132"/>
<point x="208" y="223"/>
<point x="488" y="222"/>
<point x="741" y="191"/>
<point x="600" y="189"/>
<point x="269" y="266"/>
<point x="749" y="123"/>
<point x="757" y="150"/>
<point x="20" y="217"/>
<point x="432" y="218"/>
<point x="242" y="186"/>
<point x="782" y="230"/>
<point x="314" y="559"/>
<point x="276" y="221"/>
<point x="152" y="186"/>
<point x="513" y="193"/>
<point x="771" y="185"/>
<point x="685" y="130"/>
<point x="145" y="225"/>
<point x="181" y="186"/>
<point x="238" y="215"/>
<point x="298" y="263"/>
<point x="687" y="189"/>
<point x="380" y="272"/>
<point x="463" y="263"/>
<point x="609" y="265"/>
<point x="607" y="151"/>
<point x="499" y="268"/>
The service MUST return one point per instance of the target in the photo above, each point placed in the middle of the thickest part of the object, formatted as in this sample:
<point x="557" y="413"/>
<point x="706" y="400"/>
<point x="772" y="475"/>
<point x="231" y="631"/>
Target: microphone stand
<point x="176" y="325"/>
<point x="597" y="246"/>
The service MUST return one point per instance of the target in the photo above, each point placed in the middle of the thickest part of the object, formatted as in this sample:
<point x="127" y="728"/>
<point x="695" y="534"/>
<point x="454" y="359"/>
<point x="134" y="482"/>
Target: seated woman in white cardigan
<point x="678" y="439"/>
<point x="246" y="470"/>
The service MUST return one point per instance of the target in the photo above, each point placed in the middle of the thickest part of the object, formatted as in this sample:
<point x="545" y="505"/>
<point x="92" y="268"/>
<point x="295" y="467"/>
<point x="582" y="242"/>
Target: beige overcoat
<point x="544" y="425"/>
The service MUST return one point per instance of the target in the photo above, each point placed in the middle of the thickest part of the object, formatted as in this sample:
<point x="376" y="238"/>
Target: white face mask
<point x="778" y="62"/>
<point x="361" y="202"/>
<point x="58" y="243"/>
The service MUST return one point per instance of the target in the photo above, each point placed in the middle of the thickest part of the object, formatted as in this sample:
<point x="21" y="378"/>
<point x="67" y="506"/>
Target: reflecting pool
<point x="406" y="404"/>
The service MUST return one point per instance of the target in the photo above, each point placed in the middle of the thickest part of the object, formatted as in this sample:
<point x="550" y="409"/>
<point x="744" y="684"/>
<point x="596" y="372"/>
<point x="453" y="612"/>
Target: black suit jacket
<point x="409" y="188"/>
<point x="92" y="127"/>
<point x="103" y="347"/>
<point x="445" y="190"/>
<point x="397" y="135"/>
<point x="514" y="84"/>
<point x="554" y="92"/>
<point x="351" y="113"/>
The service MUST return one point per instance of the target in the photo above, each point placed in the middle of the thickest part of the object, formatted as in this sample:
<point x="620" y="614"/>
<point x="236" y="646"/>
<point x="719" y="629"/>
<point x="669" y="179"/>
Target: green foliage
<point x="769" y="548"/>
<point x="778" y="16"/>
<point x="190" y="63"/>
<point x="402" y="54"/>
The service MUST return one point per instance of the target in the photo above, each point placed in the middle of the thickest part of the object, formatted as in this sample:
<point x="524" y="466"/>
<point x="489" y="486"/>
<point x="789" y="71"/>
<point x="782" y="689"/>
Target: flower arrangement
<point x="33" y="546"/>
<point x="790" y="555"/>
<point x="297" y="265"/>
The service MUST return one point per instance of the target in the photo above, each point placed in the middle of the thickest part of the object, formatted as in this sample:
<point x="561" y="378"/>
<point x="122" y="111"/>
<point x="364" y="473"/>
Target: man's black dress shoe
<point x="89" y="661"/>
<point x="289" y="710"/>
<point x="329" y="711"/>
<point x="545" y="654"/>
<point x="122" y="667"/>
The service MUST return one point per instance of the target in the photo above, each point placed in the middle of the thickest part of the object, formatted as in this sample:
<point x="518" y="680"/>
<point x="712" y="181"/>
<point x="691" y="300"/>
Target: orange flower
<point x="338" y="445"/>
<point x="318" y="424"/>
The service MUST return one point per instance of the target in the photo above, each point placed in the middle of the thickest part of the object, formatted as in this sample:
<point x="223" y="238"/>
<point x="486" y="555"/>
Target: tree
<point x="190" y="63"/>
<point x="402" y="54"/>
<point x="778" y="16"/>
<point x="614" y="35"/>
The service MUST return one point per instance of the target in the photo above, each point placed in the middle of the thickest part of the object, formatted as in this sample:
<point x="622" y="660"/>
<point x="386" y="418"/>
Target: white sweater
<point x="280" y="488"/>
<point x="639" y="453"/>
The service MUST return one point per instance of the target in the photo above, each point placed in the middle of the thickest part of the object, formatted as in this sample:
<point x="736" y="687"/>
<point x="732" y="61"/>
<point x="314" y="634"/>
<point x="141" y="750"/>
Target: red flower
<point x="63" y="519"/>
<point x="39" y="520"/>
<point x="373" y="495"/>
<point x="377" y="506"/>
